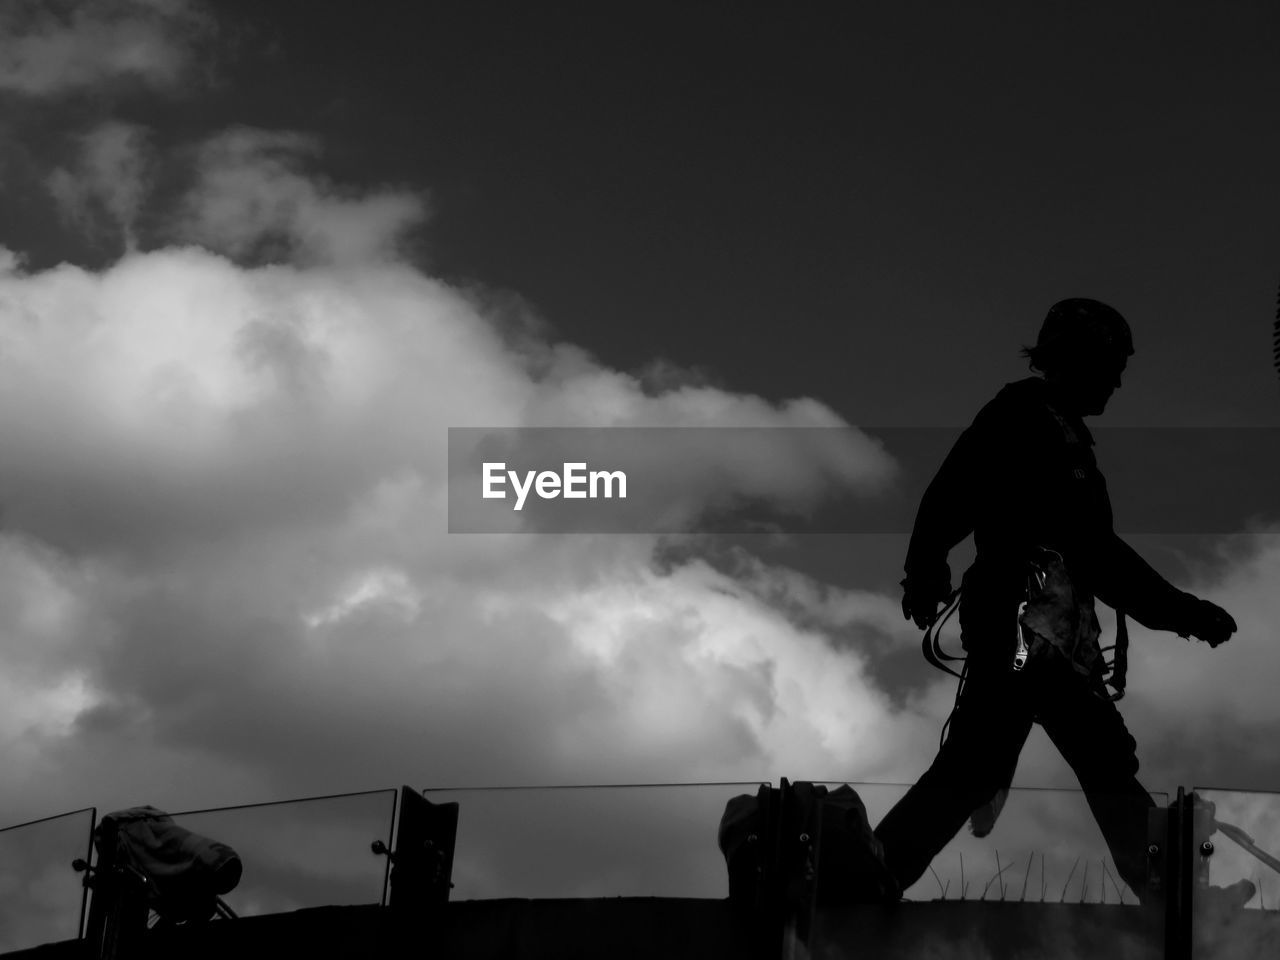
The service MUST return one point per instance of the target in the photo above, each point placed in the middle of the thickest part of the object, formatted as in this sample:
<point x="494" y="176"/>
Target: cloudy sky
<point x="258" y="259"/>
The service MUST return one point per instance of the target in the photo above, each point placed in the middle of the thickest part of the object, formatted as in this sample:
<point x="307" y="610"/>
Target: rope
<point x="930" y="645"/>
<point x="1120" y="659"/>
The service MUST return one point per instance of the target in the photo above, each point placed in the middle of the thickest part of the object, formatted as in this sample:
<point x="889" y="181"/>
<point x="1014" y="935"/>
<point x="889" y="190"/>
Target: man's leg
<point x="1091" y="735"/>
<point x="987" y="731"/>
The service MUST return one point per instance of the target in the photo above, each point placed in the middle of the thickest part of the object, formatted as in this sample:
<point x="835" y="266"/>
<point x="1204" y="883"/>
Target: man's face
<point x="1092" y="382"/>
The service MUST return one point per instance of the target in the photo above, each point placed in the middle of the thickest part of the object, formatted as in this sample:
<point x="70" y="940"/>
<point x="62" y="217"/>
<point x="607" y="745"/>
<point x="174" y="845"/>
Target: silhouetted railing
<point x="590" y="841"/>
<point x="1235" y="837"/>
<point x="1043" y="874"/>
<point x="42" y="898"/>
<point x="303" y="853"/>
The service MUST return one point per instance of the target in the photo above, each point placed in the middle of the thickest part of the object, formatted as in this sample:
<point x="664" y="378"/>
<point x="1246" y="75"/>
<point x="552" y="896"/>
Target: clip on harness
<point x="1021" y="651"/>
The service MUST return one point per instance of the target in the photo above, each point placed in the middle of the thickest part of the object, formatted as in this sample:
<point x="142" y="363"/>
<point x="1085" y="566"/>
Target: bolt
<point x="1206" y="848"/>
<point x="1153" y="850"/>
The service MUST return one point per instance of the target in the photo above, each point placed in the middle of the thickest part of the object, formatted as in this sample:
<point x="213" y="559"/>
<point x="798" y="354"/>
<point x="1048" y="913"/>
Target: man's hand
<point x="1208" y="622"/>
<point x="922" y="596"/>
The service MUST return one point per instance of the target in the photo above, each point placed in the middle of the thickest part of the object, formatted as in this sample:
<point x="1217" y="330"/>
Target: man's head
<point x="1082" y="350"/>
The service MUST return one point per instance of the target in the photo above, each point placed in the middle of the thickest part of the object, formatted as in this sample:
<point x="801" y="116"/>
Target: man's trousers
<point x="988" y="729"/>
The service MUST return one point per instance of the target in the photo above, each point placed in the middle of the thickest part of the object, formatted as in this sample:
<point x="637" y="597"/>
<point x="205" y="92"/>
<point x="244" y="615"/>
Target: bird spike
<point x="1114" y="882"/>
<point x="999" y="871"/>
<point x="1063" y="898"/>
<point x="939" y="879"/>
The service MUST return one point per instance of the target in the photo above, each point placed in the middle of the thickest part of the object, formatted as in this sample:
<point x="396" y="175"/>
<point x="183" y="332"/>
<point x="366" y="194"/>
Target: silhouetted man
<point x="1023" y="480"/>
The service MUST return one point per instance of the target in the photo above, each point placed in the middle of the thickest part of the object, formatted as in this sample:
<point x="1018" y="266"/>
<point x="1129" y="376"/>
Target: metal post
<point x="777" y="914"/>
<point x="1178" y="923"/>
<point x="88" y="872"/>
<point x="391" y="833"/>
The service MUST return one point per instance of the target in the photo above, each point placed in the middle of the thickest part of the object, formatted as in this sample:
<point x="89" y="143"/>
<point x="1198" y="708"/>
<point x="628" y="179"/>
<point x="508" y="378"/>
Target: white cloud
<point x="227" y="487"/>
<point x="45" y="51"/>
<point x="251" y="191"/>
<point x="1207" y="715"/>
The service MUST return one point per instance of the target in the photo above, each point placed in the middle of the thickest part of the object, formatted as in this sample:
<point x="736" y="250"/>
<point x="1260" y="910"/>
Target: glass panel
<point x="302" y="853"/>
<point x="625" y="841"/>
<point x="40" y="893"/>
<point x="1235" y="865"/>
<point x="1042" y="874"/>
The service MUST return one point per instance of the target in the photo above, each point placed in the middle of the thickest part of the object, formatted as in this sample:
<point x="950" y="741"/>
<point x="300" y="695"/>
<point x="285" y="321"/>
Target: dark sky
<point x="871" y="205"/>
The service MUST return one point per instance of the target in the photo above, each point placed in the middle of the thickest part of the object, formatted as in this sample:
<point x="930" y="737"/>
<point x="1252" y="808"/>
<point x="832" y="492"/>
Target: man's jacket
<point x="1023" y="476"/>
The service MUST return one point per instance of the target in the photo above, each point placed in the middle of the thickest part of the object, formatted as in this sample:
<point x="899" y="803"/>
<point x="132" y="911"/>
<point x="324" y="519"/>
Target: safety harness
<point x="1115" y="669"/>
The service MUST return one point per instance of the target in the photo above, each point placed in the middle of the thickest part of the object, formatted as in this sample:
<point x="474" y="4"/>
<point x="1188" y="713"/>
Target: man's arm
<point x="945" y="517"/>
<point x="1124" y="581"/>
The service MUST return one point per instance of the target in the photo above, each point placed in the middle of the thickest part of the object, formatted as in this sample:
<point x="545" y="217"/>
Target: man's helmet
<point x="1088" y="323"/>
<point x="1080" y="327"/>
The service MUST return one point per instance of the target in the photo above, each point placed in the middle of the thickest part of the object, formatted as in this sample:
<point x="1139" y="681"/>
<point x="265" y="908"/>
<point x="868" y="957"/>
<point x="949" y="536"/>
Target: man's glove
<point x="923" y="594"/>
<point x="1206" y="621"/>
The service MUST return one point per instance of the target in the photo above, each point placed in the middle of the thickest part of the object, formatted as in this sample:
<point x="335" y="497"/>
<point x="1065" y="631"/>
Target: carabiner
<point x="1020" y="652"/>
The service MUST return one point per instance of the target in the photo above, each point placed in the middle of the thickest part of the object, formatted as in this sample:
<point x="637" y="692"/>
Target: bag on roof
<point x="827" y="852"/>
<point x="184" y="872"/>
